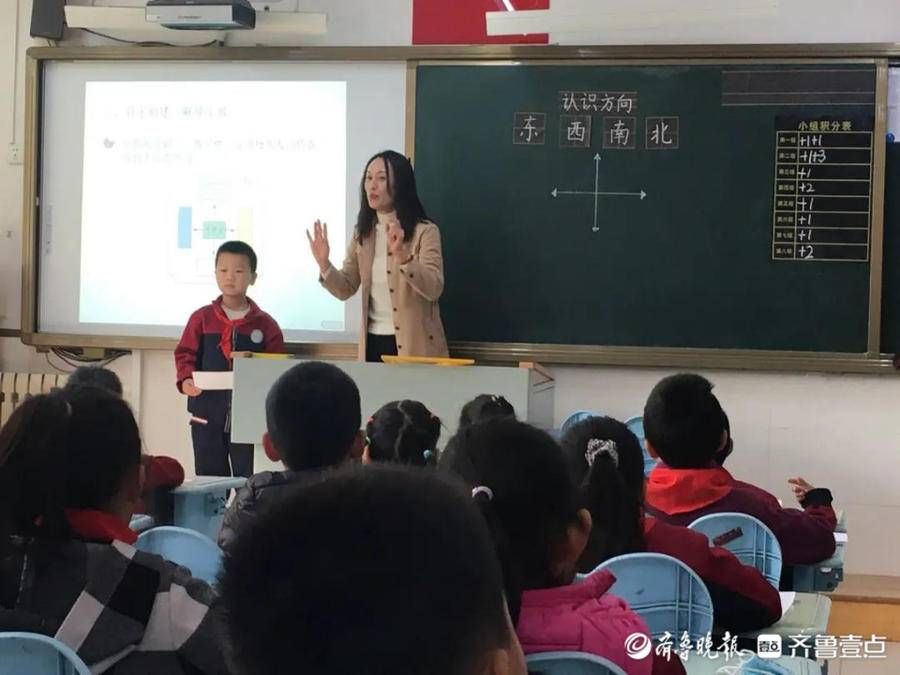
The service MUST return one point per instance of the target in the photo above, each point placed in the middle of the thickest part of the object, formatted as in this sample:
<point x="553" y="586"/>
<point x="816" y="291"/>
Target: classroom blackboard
<point x="890" y="315"/>
<point x="703" y="206"/>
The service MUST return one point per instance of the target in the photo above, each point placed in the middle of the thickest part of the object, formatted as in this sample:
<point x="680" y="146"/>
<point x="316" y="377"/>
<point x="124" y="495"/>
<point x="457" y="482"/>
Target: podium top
<point x="427" y="360"/>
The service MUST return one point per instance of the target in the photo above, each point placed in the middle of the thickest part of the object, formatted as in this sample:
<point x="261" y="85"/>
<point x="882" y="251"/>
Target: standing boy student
<point x="231" y="323"/>
<point x="686" y="428"/>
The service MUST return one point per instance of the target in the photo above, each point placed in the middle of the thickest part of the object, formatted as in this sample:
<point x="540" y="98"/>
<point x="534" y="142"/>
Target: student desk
<point x="443" y="389"/>
<point x="200" y="503"/>
<point x="822" y="577"/>
<point x="718" y="666"/>
<point x="808" y="615"/>
<point x="828" y="574"/>
<point x="841" y="521"/>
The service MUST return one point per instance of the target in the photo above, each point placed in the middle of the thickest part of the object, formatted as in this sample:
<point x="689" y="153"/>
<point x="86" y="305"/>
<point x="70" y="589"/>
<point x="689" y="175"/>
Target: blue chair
<point x="575" y="418"/>
<point x="667" y="594"/>
<point x="34" y="654"/>
<point x="749" y="539"/>
<point x="200" y="503"/>
<point x="571" y="663"/>
<point x="636" y="426"/>
<point x="184" y="547"/>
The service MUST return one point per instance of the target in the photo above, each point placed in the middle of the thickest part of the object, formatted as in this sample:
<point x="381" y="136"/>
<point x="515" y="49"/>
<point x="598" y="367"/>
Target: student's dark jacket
<point x="207" y="344"/>
<point x="261" y="490"/>
<point x="124" y="612"/>
<point x="742" y="598"/>
<point x="680" y="496"/>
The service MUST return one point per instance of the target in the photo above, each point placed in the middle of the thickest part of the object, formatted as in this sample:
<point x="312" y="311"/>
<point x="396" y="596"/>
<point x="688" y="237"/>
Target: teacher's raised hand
<point x="396" y="245"/>
<point x="318" y="244"/>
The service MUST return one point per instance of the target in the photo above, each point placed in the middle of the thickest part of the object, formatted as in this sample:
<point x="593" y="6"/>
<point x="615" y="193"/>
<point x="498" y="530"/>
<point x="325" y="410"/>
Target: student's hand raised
<point x="318" y="244"/>
<point x="800" y="487"/>
<point x="188" y="388"/>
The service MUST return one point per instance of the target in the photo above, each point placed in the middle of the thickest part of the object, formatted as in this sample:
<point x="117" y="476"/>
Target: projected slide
<point x="174" y="169"/>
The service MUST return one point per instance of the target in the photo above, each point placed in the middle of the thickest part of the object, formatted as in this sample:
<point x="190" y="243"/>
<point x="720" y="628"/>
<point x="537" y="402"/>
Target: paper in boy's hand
<point x="787" y="600"/>
<point x="214" y="380"/>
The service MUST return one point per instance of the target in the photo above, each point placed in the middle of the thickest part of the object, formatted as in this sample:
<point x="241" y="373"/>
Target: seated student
<point x="480" y="409"/>
<point x="378" y="570"/>
<point x="402" y="432"/>
<point x="312" y="420"/>
<point x="160" y="473"/>
<point x="520" y="480"/>
<point x="95" y="376"/>
<point x="684" y="426"/>
<point x="606" y="462"/>
<point x="728" y="447"/>
<point x="70" y="473"/>
<point x="485" y="407"/>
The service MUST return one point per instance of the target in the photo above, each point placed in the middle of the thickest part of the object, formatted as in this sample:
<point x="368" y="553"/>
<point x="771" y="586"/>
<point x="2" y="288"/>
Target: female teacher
<point x="395" y="255"/>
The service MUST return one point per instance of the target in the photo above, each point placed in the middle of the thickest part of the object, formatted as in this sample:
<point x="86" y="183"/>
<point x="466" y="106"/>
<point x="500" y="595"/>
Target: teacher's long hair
<point x="401" y="183"/>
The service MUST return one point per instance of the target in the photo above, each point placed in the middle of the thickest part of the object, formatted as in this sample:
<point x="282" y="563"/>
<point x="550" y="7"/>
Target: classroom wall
<point x="838" y="431"/>
<point x="791" y="21"/>
<point x="11" y="49"/>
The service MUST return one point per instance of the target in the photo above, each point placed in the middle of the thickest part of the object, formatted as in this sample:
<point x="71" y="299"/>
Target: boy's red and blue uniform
<point x="207" y="344"/>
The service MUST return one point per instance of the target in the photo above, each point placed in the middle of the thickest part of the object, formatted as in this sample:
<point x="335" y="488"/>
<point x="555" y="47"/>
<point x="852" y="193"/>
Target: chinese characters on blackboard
<point x="620" y="126"/>
<point x="528" y="128"/>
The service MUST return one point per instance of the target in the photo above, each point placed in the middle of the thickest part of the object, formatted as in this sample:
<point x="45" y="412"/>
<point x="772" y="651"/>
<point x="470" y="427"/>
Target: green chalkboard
<point x="534" y="253"/>
<point x="890" y="316"/>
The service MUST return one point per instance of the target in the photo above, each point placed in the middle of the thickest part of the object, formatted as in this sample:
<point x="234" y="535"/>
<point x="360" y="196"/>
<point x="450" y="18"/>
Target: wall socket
<point x="14" y="153"/>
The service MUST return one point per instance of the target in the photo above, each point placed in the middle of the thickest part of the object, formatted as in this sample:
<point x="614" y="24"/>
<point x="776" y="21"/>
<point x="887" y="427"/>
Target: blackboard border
<point x="878" y="54"/>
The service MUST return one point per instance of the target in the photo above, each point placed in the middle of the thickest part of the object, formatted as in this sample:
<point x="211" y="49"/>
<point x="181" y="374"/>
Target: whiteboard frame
<point x="878" y="54"/>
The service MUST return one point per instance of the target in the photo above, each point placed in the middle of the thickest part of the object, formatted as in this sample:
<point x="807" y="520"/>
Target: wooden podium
<point x="444" y="390"/>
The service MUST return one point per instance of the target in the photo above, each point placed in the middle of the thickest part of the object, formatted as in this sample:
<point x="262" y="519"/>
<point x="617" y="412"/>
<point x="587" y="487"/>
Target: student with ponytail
<point x="402" y="432"/>
<point x="520" y="481"/>
<point x="606" y="463"/>
<point x="70" y="475"/>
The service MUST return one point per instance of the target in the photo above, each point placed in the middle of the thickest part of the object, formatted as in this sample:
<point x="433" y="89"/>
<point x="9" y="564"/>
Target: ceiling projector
<point x="201" y="14"/>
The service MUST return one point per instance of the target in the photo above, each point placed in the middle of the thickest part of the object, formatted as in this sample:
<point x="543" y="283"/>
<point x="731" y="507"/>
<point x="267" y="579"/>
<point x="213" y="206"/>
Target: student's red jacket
<point x="207" y="343"/>
<point x="680" y="496"/>
<point x="742" y="598"/>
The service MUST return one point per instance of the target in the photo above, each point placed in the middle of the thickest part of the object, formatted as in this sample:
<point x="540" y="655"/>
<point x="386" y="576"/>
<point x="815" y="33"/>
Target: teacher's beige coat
<point x="414" y="287"/>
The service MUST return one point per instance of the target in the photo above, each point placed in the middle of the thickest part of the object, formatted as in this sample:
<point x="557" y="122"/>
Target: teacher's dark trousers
<point x="378" y="346"/>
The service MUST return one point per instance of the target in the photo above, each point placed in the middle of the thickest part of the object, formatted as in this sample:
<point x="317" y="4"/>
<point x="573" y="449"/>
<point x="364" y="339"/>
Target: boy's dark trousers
<point x="213" y="448"/>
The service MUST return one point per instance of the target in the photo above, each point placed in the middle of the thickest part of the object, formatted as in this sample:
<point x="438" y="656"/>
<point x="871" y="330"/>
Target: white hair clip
<point x="483" y="490"/>
<point x="597" y="446"/>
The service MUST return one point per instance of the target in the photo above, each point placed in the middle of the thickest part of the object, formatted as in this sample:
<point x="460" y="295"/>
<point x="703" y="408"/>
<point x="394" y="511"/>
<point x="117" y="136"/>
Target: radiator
<point x="16" y="387"/>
